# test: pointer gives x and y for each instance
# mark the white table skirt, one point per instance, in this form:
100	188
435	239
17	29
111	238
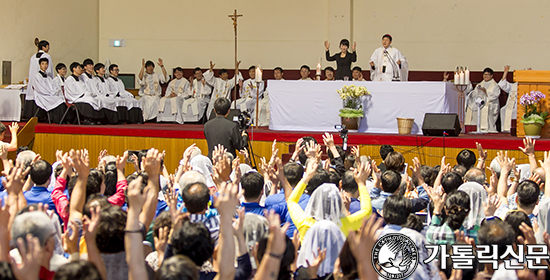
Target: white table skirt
315	105
10	105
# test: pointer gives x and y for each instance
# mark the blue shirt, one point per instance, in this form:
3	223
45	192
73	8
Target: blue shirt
355	205
277	202
40	195
253	207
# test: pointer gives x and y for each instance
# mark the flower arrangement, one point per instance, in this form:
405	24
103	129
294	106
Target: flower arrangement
351	96
531	101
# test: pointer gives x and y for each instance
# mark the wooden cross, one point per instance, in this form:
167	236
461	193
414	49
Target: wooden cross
234	17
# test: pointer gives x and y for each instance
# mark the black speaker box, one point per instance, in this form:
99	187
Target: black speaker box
438	124
232	113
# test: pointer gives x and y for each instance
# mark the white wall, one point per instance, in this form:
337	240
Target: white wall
71	27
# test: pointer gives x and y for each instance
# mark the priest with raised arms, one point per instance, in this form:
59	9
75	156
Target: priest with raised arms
196	98
150	90
387	62
47	94
222	85
489	113
170	105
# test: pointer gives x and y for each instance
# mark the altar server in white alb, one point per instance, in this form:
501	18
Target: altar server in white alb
59	79
76	92
387	63
510	111
150	90
30	105
249	93
47	94
491	110
106	105
265	113
170	105
196	99
222	85
117	89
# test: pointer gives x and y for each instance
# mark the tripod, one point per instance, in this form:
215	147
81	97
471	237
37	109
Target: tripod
250	150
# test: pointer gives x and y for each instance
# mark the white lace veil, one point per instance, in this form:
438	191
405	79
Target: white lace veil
203	165
325	204
478	196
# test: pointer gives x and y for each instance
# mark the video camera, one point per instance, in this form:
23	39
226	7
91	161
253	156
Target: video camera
343	134
243	120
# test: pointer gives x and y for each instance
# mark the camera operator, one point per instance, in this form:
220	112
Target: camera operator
223	131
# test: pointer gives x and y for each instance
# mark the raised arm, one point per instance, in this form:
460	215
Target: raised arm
226	204
118	198
161	64
529	150
132	234
151	163
361	175
482	157
90	227
12	146
140	75
506	165
81	164
275	251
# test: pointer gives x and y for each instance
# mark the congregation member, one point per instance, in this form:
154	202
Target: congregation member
30	106
170	106
386	62
304	73
221	86
343	59
195	107
329	74
47	94
357	74
108	106
150	88
118	90
250	91
491	110
78	94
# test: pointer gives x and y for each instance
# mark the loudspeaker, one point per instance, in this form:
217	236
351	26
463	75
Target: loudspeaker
438	124
232	113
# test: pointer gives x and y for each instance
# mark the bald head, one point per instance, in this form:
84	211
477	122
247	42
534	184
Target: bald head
475	175
196	197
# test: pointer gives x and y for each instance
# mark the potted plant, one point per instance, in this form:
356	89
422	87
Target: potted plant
534	118
353	106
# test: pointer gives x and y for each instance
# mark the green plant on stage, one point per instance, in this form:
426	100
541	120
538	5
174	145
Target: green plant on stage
351	96
531	101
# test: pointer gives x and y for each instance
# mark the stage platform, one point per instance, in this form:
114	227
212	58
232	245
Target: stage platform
175	138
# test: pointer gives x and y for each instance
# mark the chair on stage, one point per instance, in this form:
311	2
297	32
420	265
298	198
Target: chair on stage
69	106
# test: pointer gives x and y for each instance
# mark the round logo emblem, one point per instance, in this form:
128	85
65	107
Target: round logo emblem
394	256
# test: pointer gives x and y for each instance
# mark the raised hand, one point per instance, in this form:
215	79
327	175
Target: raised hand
328	139
228	199
506	68
482	154
136	198
143	63
327	45
31	255
354	47
506	164
212	65
438	198
80	162
528	146
493	202
362	173
16	179
14	127
314	266
297	149
276	241
70	240
160	63
445	76
237	170
274	152
493	182
416	172
311	168
151	163
121	161
161	242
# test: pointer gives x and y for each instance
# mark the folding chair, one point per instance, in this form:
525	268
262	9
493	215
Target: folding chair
68	108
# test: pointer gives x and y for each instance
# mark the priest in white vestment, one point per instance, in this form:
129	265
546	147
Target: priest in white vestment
264	115
30	105
171	104
489	113
304	73
387	62
117	89
150	90
47	94
197	98
76	92
510	111
250	91
357	74
222	85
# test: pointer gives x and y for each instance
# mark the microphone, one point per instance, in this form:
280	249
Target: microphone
395	67
384	66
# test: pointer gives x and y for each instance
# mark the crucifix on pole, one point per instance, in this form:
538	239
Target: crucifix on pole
234	17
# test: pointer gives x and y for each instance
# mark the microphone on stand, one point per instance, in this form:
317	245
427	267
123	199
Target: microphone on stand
395	67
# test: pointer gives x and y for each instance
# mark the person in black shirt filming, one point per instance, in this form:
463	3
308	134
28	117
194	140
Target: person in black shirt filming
223	131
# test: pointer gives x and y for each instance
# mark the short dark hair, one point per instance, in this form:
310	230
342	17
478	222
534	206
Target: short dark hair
293	173
161	221
395	161
391	180
193	240
98	66
110	233
396	209
306	67
43	59
88	61
302	155
450	182
221	106
457	206
197	69
329	68
112	67
222	71
60	66
414	222
74	65
344	42
348	263
177	267
385	150
515	218
93	183
334	177
428	175
320	177
251	67
460	170
496	232
149	63
387	36
466	158
110	178
77	270
42	44
528	193
178	69
348	182
361	70
41	171
341	152
252	184
278	68
196	197
488	70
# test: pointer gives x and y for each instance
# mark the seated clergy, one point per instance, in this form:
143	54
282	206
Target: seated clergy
107	106
77	93
150	90
61	70
264	114
222	85
47	94
117	89
170	105
489	113
329	74
304	73
250	90
357	74
196	98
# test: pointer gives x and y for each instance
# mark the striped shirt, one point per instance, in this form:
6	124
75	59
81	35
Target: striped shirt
212	224
443	234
